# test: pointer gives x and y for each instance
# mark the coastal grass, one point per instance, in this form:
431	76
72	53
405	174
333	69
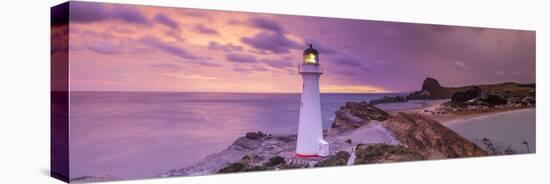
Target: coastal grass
380	153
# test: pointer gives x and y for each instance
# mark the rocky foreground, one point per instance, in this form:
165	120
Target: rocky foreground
360	134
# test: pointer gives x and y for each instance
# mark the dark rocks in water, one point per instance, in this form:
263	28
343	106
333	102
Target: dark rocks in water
255	135
430	138
384	153
245	143
388	99
340	158
420	95
355	114
252	135
464	96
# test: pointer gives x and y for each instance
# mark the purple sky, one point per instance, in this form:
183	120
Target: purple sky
145	48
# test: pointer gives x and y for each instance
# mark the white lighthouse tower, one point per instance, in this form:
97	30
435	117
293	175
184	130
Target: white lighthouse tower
310	128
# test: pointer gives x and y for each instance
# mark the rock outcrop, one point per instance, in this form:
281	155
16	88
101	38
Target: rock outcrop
356	114
388	99
431	89
255	135
430	138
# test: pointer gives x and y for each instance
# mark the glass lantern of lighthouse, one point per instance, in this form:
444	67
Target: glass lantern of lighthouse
311	56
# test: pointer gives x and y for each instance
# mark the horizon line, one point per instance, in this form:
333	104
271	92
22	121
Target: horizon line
244	92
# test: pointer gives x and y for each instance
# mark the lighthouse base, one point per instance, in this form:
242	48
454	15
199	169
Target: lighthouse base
306	155
322	150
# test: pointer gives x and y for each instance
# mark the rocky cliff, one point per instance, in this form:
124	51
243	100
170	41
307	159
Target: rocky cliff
431	89
430	138
415	131
356	114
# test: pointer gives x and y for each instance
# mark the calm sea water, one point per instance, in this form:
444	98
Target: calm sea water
142	134
507	129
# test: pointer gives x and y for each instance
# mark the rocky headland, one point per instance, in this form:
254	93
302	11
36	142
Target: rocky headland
490	95
431	89
360	134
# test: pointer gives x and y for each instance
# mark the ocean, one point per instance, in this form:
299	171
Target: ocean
505	130
133	135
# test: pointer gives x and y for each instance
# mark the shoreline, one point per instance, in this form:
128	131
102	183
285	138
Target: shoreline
459	117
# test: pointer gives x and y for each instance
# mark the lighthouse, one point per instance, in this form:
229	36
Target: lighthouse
310	141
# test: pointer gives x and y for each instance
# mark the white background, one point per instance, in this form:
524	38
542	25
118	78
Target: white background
24	90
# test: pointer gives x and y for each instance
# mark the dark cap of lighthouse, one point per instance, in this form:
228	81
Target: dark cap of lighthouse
311	55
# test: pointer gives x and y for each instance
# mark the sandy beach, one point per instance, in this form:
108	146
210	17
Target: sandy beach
457	117
483	115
